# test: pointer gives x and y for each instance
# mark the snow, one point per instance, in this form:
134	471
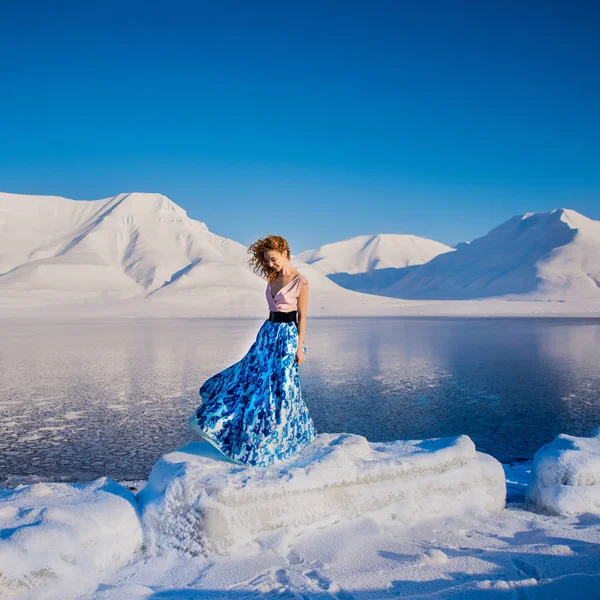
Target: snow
449	537
127	245
370	263
57	538
365	253
140	255
201	505
474	555
552	254
347	518
565	477
134	253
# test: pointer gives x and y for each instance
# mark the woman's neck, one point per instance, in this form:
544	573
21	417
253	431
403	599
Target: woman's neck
285	273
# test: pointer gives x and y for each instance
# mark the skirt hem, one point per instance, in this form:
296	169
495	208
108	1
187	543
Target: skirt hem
254	408
194	424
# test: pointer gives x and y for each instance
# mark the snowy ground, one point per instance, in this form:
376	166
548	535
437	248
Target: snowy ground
514	553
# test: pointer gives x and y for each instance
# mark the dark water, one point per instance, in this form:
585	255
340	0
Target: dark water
78	401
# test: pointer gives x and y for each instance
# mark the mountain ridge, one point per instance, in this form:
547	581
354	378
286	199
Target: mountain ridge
143	245
533	254
141	237
368	263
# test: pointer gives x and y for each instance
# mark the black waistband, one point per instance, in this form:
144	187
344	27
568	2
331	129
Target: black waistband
284	317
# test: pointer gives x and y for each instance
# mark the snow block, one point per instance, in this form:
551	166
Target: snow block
565	475
199	502
56	538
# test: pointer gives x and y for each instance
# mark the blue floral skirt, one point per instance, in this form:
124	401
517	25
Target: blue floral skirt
253	411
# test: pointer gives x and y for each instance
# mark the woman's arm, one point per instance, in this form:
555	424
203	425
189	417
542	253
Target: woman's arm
302	306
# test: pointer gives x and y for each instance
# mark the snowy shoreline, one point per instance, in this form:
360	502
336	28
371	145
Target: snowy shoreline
466	309
457	549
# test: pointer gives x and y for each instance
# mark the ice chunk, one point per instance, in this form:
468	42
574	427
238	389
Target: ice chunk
55	538
565	475
199	502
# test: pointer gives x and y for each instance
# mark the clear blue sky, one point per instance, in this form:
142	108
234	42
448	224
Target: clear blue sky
318	121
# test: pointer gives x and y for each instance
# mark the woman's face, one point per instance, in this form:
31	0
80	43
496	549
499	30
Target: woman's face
275	260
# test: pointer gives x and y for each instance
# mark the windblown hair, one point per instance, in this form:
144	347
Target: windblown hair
271	242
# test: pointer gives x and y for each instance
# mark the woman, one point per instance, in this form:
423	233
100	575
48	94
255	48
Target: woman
253	411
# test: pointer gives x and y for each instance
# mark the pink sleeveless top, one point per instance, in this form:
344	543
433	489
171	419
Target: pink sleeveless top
286	299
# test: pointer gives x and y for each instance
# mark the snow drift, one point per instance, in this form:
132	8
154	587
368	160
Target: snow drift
565	475
199	502
56	538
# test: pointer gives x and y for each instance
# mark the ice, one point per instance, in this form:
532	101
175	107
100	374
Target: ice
565	476
200	503
57	538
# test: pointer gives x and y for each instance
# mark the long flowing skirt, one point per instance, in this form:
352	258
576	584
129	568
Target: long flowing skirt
253	411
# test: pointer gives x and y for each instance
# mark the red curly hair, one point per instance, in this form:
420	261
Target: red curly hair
271	242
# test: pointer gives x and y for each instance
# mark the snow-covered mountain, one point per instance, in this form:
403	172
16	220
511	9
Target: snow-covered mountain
129	244
132	247
370	263
139	253
552	254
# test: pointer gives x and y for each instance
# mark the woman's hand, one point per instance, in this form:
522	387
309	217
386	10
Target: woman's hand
299	357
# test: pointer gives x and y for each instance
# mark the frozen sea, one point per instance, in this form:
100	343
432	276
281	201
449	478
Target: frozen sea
79	400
